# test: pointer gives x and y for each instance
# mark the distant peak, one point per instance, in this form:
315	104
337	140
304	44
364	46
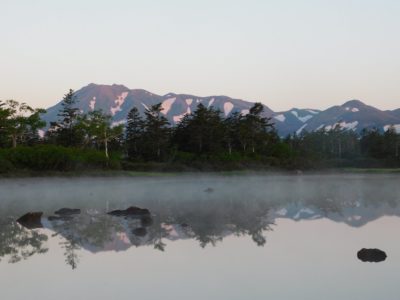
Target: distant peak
119	86
354	103
114	85
170	95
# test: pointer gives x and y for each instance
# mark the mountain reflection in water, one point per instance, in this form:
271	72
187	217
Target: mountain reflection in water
206	218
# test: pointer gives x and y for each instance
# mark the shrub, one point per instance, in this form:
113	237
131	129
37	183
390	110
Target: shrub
54	158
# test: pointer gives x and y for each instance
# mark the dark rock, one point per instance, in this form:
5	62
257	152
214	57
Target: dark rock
68	211
141	231
209	190
130	211
31	220
371	255
146	221
184	225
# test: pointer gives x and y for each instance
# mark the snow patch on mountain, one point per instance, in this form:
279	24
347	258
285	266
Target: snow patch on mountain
301	129
166	105
211	102
305	118
280	117
178	118
189	101
116	123
228	106
352	109
118	103
343	125
302	119
396	127
92	103
145	106
245	112
41	133
349	126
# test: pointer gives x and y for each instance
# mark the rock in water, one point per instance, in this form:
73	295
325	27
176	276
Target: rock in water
68	211
146	221
31	220
130	211
141	231
371	255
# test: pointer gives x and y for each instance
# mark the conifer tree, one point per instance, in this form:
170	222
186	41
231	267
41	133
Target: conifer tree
134	132
156	132
66	130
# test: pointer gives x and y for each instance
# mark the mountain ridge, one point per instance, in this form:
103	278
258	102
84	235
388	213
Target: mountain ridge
117	100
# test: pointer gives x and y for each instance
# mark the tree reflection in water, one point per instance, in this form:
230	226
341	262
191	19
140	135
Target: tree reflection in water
19	243
207	220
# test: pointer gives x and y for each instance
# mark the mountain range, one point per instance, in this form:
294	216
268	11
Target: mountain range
118	100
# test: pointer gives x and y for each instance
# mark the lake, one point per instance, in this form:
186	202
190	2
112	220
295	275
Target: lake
206	237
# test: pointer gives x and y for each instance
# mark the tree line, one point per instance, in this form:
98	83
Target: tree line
202	138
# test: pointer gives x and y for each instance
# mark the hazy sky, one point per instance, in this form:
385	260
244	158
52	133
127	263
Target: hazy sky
284	53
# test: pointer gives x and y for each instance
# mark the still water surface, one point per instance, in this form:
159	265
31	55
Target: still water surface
209	237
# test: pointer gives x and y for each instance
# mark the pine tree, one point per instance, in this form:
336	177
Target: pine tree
232	126
255	130
156	132
66	130
134	133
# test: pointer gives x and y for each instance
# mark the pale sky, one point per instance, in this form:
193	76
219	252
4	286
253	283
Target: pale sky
284	53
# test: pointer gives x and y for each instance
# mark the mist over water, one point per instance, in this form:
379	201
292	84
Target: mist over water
208	236
49	194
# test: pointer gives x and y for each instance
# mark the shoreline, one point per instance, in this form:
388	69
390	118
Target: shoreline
158	173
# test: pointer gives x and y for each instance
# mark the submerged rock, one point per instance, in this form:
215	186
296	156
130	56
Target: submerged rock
130	211
371	255
68	211
209	190
31	220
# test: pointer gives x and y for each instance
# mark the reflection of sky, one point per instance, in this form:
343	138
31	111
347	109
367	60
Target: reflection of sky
288	53
303	260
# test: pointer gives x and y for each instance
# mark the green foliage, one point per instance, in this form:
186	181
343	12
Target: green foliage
19	123
54	158
98	130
